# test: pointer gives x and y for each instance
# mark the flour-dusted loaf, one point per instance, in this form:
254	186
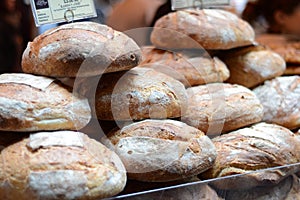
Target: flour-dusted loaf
162	150
139	93
60	165
206	28
189	69
252	150
80	49
252	65
280	98
33	103
221	107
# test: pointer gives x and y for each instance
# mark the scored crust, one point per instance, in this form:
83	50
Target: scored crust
33	103
80	49
189	70
252	149
162	150
60	165
207	28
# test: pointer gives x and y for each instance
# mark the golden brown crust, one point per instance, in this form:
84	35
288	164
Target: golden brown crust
26	107
80	49
139	93
251	66
221	107
162	150
280	98
189	70
255	148
60	165
207	28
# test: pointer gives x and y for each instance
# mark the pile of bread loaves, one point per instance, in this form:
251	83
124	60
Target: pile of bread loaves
205	101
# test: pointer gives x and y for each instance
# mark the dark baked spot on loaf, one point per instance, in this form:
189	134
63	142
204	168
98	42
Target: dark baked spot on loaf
9	122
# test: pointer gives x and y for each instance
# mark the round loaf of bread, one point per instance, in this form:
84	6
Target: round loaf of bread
189	70
33	103
258	153
206	28
140	93
221	107
251	66
60	165
162	150
280	98
80	49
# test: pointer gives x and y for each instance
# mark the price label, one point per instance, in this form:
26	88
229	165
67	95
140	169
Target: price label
182	4
55	11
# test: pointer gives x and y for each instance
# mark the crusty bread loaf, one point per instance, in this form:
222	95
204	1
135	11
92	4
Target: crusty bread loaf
249	151
33	103
252	65
80	49
189	69
60	165
221	107
207	28
280	98
140	93
162	150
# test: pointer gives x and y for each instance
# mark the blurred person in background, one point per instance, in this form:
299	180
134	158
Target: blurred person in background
16	29
274	16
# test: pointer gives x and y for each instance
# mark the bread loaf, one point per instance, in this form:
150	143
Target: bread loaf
207	28
221	107
33	103
162	150
252	65
188	69
140	93
59	165
80	49
280	98
249	152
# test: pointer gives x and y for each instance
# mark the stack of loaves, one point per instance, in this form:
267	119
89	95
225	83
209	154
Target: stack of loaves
163	109
256	110
44	154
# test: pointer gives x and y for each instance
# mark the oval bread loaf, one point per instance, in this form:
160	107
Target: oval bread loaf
139	93
280	98
221	107
60	165
80	49
255	149
251	66
33	103
206	28
162	150
189	70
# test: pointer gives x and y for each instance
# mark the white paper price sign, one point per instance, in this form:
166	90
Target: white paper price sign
181	4
54	11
